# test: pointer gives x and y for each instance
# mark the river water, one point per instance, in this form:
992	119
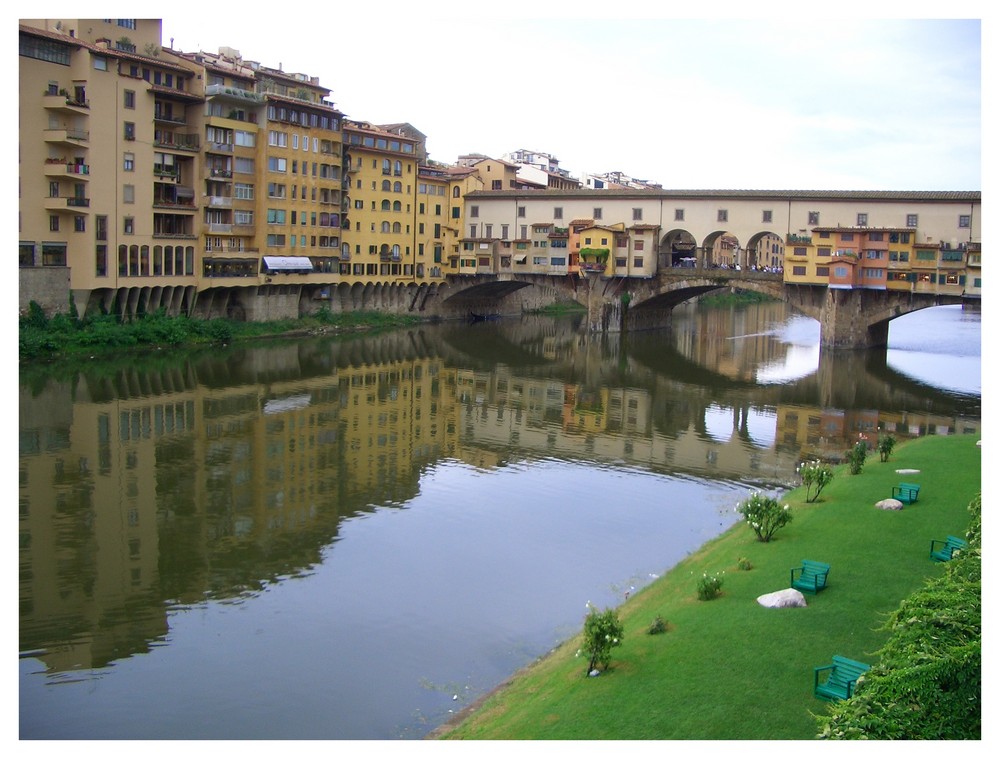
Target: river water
355	538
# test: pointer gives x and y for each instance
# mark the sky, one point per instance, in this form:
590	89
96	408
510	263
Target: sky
767	102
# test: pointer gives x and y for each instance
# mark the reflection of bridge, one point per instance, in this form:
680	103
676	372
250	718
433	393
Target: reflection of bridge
849	318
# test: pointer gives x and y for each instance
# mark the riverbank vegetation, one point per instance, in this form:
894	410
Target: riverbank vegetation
65	334
733	297
733	669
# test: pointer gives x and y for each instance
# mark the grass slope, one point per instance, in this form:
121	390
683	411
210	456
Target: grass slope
729	668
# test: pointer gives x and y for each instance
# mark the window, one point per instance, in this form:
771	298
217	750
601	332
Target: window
822	271
876	236
638	245
636	214
964	221
598	214
814	217
723	215
862	220
53	254
678	214
824	251
244	165
53	223
557	213
277	139
101	261
243	191
474	212
128	162
128	193
767	217
128	225
911	220
277	164
79	223
799	271
496	184
244	139
488	231
456	212
100	64
129	98
473	228
521	211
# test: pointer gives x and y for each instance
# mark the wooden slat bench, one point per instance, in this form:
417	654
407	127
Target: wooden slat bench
810	577
947	548
906	492
840	680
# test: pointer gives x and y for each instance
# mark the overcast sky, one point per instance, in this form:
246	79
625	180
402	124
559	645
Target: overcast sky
754	103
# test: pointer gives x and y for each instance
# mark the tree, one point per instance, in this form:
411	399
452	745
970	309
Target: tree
602	631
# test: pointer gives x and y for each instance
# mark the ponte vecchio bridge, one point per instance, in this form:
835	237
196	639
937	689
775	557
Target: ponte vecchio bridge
852	260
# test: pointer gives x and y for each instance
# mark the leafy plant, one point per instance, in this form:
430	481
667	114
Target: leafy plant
764	515
885	445
927	684
709	587
744	563
602	631
856	456
658	626
815	476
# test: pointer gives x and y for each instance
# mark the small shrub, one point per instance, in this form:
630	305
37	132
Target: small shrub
744	563
885	445
602	631
658	626
709	587
764	515
857	455
815	476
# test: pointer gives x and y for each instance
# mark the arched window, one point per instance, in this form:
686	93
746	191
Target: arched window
397	206
345	250
122	260
396	227
385	205
386	166
385	226
395	251
386	185
397	186
454	192
398	168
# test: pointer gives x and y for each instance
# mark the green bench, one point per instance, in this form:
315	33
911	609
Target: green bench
906	492
947	549
810	577
836	681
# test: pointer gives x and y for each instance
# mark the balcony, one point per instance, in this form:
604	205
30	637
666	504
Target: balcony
217	228
177	142
233	93
74	137
67	205
802	239
218	147
65	103
219	201
61	168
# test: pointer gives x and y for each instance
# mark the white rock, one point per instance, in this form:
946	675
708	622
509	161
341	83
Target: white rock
889	504
782	599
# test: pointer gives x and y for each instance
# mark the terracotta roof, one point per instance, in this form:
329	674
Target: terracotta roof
875	195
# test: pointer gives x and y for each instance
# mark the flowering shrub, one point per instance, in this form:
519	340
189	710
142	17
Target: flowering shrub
602	631
856	456
815	476
885	445
709	587
764	515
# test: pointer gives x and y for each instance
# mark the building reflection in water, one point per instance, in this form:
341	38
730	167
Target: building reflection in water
142	490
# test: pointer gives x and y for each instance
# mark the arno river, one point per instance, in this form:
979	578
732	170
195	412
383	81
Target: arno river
355	538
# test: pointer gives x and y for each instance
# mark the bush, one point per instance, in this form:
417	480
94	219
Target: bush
885	445
709	587
744	563
764	515
927	684
815	476
857	455
602	631
658	626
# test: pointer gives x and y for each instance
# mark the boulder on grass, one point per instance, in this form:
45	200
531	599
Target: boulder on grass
889	504
782	599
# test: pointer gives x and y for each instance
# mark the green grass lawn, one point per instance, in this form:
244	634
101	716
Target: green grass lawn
729	668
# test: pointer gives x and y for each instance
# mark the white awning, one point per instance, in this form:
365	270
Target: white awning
520	258
287	263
